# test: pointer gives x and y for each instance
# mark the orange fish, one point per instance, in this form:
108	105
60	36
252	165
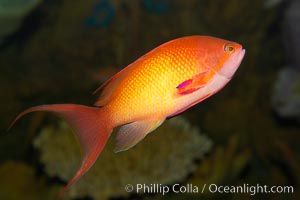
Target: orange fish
164	82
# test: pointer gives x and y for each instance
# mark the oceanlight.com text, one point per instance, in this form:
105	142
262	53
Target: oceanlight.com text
250	189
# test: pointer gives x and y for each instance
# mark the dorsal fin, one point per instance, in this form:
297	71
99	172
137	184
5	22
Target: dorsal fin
110	85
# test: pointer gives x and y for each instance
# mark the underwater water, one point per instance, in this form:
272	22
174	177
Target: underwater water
60	51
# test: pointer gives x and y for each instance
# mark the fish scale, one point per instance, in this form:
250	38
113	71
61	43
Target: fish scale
174	66
153	84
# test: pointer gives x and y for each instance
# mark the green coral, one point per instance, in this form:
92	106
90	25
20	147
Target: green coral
165	156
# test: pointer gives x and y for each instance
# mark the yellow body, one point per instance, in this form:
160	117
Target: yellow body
150	89
147	87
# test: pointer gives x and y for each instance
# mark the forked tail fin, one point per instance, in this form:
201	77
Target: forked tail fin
90	126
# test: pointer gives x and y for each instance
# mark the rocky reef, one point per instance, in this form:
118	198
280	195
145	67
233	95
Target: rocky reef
165	156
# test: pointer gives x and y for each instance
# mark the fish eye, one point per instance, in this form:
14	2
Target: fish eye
229	48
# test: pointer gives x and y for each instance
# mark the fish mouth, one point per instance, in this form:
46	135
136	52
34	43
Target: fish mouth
232	64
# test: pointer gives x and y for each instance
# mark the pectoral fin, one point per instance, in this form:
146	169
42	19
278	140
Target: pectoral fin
130	134
191	85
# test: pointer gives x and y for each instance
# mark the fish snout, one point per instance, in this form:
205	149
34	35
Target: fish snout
232	63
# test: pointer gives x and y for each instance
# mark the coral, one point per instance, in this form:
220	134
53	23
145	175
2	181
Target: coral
286	97
224	165
165	156
18	181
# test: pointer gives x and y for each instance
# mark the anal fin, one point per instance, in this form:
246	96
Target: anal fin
130	134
